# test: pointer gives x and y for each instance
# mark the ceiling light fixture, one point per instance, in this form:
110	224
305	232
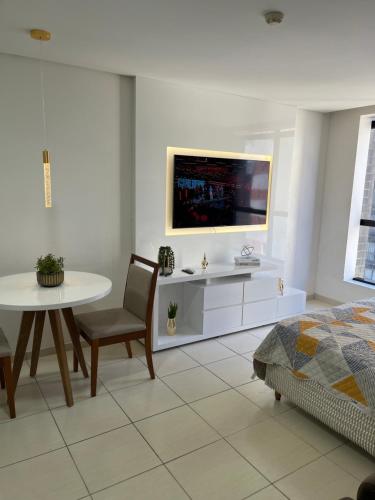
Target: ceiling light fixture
44	36
273	17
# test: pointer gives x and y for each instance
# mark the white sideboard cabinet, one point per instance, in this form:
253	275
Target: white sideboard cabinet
221	300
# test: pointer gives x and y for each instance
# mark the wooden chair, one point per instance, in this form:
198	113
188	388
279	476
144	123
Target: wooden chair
131	322
6	376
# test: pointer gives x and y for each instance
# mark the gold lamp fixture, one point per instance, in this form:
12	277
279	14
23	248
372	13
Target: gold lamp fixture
44	36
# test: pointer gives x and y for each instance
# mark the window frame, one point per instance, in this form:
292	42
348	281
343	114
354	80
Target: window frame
366	223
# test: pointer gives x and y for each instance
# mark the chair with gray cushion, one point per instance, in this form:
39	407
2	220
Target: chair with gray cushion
6	376
130	322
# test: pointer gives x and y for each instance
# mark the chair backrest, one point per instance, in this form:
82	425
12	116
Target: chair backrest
140	288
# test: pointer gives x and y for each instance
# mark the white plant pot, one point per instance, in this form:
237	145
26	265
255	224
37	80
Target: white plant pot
171	326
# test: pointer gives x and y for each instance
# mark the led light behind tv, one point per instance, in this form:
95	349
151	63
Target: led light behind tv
219	192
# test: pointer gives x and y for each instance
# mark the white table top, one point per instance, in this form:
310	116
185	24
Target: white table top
21	292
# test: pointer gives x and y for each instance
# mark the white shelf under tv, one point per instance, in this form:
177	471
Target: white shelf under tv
221	300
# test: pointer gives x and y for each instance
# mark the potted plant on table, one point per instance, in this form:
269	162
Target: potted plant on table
171	324
50	270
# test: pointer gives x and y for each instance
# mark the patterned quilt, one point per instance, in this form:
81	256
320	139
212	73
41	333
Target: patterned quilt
335	347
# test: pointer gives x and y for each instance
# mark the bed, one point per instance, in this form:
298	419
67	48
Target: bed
324	362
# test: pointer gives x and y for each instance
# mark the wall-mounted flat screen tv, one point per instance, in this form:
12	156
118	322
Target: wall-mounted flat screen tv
218	192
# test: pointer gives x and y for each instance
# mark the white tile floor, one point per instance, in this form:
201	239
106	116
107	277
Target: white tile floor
204	429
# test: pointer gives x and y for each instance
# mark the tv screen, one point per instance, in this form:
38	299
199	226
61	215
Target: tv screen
215	192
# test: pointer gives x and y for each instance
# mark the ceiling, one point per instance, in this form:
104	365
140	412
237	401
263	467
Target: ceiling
321	57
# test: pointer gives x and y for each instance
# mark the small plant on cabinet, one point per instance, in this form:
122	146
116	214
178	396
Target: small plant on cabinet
171	324
166	261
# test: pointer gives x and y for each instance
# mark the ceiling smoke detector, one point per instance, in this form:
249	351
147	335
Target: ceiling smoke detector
273	17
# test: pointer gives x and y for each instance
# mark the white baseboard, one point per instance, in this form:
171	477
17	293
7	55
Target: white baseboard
322	298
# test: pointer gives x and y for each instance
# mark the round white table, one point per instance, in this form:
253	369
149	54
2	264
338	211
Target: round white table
21	292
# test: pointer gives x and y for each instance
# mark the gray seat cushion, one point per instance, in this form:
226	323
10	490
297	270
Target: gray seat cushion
5	349
109	322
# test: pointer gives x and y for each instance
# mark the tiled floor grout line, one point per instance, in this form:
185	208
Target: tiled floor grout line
339	466
257	405
296	470
224	439
178	482
165	463
306	415
269	416
187	453
127	479
281	492
188	404
149	444
206	445
17	419
213	373
34	456
211	362
62	437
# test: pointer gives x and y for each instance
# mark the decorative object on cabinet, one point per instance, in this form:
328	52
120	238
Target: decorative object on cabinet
171	323
204	262
50	270
166	261
247	258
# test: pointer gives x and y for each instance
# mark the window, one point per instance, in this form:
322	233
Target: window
365	265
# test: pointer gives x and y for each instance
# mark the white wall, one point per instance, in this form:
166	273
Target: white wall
101	208
176	115
89	119
306	190
338	186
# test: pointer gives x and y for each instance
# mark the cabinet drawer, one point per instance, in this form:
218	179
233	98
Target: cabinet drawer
264	310
291	304
259	289
220	321
221	295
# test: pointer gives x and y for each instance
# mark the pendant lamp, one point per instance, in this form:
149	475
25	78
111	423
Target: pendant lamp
44	36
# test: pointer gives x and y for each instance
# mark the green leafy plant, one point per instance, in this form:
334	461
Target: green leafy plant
166	260
172	310
49	264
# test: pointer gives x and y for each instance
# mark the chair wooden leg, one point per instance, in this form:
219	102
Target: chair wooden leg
74	336
277	396
94	366
149	356
75	362
37	340
129	349
55	320
23	339
2	379
7	367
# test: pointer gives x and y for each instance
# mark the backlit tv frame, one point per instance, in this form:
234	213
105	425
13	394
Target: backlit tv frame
171	152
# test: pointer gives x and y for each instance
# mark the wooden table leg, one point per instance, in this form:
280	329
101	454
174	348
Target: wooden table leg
74	335
7	367
54	317
2	378
38	332
23	339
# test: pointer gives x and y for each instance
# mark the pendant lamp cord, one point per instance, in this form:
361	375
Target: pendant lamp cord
43	103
